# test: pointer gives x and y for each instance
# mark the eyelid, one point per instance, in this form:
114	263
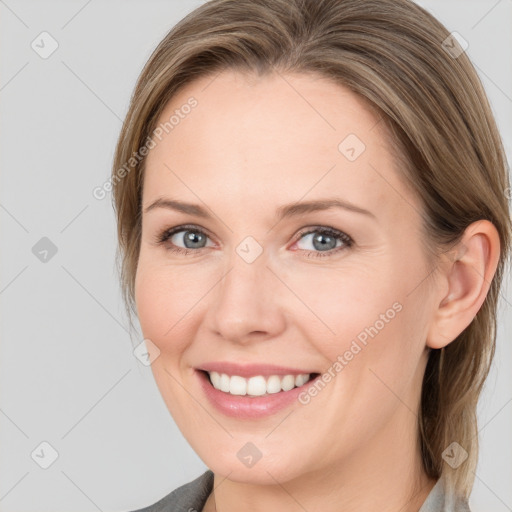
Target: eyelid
324	229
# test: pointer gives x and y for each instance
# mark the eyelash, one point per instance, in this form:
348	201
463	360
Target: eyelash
164	236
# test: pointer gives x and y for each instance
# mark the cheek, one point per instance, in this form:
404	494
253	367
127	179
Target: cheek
162	306
172	300
366	318
344	305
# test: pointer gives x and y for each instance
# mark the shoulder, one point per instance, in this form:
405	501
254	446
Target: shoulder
190	497
442	499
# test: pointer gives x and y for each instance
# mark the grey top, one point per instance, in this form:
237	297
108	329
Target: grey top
192	496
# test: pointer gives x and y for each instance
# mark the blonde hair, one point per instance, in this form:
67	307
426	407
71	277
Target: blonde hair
407	67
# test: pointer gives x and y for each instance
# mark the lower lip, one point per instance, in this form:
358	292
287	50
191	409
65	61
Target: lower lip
249	407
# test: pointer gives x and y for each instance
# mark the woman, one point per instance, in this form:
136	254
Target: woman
313	228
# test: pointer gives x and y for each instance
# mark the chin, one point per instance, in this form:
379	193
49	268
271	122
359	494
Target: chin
262	472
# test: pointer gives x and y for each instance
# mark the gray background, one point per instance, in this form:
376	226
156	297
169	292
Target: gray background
67	372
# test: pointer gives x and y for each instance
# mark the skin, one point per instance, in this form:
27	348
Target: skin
251	145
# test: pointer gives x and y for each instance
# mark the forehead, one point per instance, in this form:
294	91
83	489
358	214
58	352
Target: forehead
263	141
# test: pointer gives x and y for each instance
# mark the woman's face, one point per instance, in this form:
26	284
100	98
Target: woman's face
262	284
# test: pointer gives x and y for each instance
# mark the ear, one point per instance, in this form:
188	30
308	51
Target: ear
466	278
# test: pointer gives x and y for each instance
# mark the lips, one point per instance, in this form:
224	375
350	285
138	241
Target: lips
250	407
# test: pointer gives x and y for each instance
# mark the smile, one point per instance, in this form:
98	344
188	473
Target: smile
252	397
258	385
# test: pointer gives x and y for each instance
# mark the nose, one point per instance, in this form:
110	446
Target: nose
247	303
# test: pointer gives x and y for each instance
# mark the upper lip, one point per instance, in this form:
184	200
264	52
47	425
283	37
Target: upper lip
250	370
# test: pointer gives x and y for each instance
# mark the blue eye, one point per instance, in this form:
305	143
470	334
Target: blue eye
192	236
324	243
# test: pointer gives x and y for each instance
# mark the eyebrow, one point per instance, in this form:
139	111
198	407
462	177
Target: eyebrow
289	210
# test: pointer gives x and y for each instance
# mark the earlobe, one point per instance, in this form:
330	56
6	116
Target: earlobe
468	273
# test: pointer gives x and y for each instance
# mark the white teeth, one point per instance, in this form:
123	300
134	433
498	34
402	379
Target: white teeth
256	386
237	385
273	384
288	382
224	383
301	379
